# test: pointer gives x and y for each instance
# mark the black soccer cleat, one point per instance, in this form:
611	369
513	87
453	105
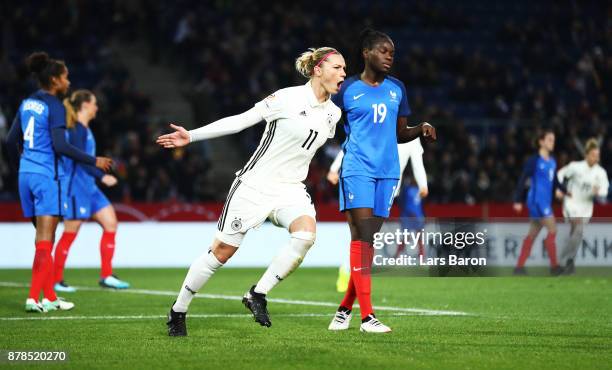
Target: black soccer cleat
556	270
570	268
257	304
176	323
519	271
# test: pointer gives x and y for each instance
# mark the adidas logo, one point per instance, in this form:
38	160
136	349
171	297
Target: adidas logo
303	113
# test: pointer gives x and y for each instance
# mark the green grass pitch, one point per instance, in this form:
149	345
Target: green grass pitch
510	323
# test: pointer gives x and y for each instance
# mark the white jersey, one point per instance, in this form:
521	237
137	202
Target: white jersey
296	126
581	180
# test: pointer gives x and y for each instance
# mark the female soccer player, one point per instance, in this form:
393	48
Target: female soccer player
586	182
270	185
376	108
540	169
412	151
40	129
83	198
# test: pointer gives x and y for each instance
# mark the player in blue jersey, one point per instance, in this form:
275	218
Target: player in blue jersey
540	169
411	210
83	199
376	108
39	131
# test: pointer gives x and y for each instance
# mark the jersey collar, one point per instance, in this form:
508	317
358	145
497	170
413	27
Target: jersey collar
312	99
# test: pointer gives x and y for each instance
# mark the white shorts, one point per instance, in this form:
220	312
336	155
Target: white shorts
248	206
578	210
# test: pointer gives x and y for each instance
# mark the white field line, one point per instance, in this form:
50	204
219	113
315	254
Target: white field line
419	311
157	317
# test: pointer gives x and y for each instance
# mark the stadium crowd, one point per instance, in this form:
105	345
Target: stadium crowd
487	74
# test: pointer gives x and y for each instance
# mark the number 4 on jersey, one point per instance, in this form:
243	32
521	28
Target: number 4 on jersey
28	134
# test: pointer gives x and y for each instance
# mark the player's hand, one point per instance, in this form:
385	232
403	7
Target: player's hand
180	137
109	180
559	194
429	132
595	191
423	192
333	177
104	163
518	207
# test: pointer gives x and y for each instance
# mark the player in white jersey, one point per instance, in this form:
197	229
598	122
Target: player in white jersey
299	120
586	182
413	151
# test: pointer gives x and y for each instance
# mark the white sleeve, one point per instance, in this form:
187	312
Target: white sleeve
565	172
335	166
226	126
604	184
273	106
418	170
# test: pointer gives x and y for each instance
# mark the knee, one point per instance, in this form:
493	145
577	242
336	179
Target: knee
302	241
223	252
110	226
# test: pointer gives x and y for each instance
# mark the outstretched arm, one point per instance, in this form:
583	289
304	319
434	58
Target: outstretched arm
225	126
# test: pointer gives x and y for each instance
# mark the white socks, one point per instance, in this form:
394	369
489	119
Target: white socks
200	271
289	258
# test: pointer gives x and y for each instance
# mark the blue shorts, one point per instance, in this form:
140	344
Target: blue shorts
412	219
367	192
81	205
40	195
537	211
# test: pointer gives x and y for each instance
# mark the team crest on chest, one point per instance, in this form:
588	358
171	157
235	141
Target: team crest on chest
393	95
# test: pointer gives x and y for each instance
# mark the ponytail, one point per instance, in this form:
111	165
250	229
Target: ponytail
73	105
308	60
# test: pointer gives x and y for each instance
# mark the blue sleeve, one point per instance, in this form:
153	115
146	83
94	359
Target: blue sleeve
93	171
61	146
528	170
57	114
404	108
14	140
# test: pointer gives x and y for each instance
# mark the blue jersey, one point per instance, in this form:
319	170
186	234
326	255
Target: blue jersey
37	116
370	124
541	173
80	180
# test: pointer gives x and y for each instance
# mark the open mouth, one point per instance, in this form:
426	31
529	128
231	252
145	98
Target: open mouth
340	84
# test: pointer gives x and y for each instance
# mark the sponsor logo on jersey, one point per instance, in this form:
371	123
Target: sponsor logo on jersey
303	113
351	196
82	210
355	97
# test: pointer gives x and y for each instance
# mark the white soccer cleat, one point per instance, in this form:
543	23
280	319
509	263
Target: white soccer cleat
374	326
341	321
59	304
33	306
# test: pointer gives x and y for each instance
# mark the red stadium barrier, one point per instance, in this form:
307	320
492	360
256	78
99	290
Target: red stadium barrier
11	212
